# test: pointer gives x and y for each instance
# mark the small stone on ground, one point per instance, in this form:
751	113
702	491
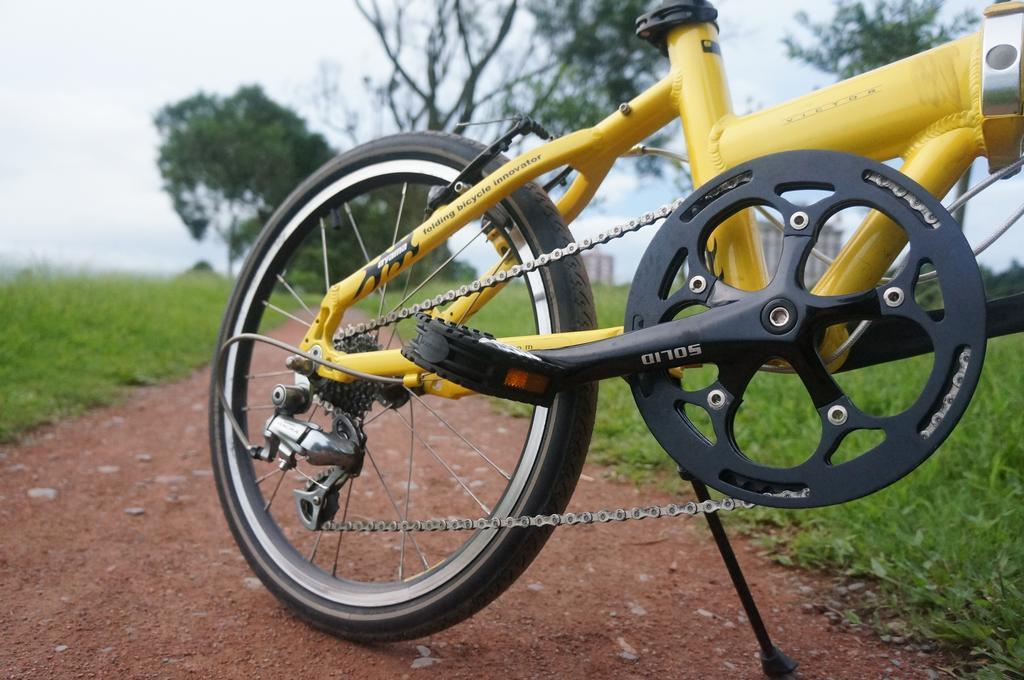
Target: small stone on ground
628	651
43	493
135	512
108	469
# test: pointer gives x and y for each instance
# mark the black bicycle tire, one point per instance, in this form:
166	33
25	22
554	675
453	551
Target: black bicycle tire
560	459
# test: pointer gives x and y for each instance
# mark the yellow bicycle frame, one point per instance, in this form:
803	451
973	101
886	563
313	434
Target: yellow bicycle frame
925	110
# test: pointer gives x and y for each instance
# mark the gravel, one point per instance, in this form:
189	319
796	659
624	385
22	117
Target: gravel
628	652
424	662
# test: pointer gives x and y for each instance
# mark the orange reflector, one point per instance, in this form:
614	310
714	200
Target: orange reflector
528	382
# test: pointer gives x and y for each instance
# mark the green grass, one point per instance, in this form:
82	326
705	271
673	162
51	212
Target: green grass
75	341
942	546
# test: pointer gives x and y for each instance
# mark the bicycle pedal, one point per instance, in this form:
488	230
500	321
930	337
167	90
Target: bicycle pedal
477	361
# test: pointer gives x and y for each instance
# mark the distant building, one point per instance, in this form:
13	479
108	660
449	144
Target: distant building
829	242
600	266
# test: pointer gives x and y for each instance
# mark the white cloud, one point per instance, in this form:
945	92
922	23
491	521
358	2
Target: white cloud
81	82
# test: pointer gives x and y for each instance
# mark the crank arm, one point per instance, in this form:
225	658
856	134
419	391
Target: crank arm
483	364
887	340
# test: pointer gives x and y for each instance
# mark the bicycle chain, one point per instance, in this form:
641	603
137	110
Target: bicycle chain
690	509
514	272
554	520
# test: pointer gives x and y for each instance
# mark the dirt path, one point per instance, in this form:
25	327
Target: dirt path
89	590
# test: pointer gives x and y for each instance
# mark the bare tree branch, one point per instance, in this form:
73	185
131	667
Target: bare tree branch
467	99
377	21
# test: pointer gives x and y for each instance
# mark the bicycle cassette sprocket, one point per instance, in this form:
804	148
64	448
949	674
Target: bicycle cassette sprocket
784	322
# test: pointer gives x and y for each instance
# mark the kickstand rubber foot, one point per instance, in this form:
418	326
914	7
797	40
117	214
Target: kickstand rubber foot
776	664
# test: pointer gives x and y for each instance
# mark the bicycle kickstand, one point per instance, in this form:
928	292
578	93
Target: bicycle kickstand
774	662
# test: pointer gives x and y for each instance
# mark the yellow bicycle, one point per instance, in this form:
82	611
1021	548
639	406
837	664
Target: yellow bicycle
407	507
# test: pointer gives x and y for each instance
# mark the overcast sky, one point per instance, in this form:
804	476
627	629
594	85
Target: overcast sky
79	83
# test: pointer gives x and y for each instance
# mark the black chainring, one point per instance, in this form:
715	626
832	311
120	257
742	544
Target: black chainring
681	245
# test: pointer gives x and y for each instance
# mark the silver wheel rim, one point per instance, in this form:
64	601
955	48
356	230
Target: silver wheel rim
261	525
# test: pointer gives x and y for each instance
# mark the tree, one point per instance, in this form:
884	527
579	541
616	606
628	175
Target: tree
567	63
452	44
228	162
858	39
596	61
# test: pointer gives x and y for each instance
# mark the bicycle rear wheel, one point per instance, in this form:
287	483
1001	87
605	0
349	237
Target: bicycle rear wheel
426	457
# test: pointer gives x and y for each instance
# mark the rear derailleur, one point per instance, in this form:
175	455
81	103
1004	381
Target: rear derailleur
340	450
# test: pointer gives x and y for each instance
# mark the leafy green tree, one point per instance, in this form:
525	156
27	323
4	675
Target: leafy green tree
595	60
859	38
1008	282
227	162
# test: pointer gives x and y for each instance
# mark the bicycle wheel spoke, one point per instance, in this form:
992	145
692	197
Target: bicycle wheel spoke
267	407
316	546
408	493
437	271
295	295
459	435
405	291
274	494
262	478
445	465
323	246
373	418
384	288
277	309
359	236
344	518
391	499
394	240
469	307
272	374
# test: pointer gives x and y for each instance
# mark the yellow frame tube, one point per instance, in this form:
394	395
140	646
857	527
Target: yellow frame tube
591	152
925	110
